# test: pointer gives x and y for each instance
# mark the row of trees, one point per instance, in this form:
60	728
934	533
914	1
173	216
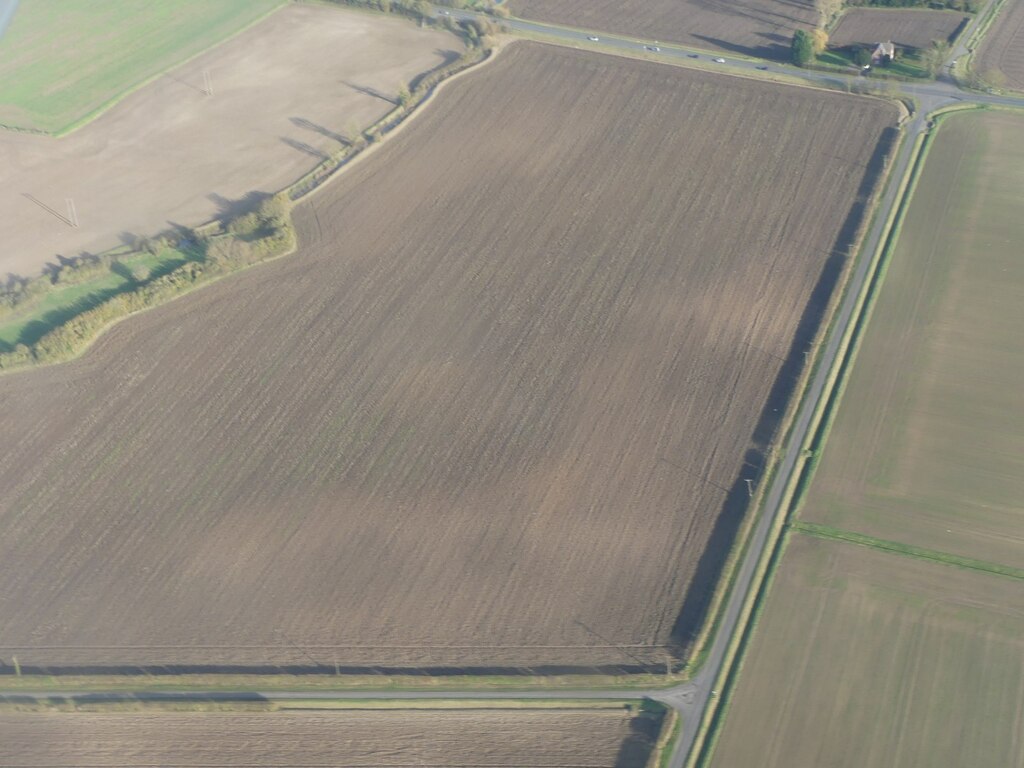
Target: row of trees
248	239
807	45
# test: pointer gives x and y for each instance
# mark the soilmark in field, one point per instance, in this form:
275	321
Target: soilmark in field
526	350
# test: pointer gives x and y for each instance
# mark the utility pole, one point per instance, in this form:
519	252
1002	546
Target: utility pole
72	212
207	83
750	487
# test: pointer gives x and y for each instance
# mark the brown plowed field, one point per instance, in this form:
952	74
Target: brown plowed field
1002	51
488	414
320	738
914	28
761	28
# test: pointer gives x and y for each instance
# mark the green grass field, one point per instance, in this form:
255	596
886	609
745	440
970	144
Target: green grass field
61	303
62	62
927	448
867	659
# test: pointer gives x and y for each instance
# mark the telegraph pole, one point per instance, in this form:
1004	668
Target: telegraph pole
72	212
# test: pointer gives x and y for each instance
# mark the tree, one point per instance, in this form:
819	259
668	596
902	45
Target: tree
819	39
935	56
803	48
862	57
827	11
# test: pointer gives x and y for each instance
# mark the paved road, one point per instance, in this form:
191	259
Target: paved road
690	699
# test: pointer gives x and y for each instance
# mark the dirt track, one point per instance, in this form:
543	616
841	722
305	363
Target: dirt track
285	92
489	413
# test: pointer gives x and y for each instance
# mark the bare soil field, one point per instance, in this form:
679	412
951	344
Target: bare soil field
762	28
928	443
287	92
865	659
1000	58
909	27
497	410
350	738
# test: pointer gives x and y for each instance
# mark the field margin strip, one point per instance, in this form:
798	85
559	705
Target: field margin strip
907	550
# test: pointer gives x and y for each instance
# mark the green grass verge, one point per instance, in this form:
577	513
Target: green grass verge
27	324
827	532
62	63
628	684
127	703
908	65
671	729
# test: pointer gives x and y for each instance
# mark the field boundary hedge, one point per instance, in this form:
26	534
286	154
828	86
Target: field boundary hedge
908	550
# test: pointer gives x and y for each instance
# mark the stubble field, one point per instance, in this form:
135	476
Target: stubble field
1002	51
762	28
911	27
353	738
497	410
61	61
866	659
928	444
288	92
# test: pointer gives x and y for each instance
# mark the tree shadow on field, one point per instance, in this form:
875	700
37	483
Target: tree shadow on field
228	209
309	125
694	611
305	148
448	57
367	90
776	51
644	730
